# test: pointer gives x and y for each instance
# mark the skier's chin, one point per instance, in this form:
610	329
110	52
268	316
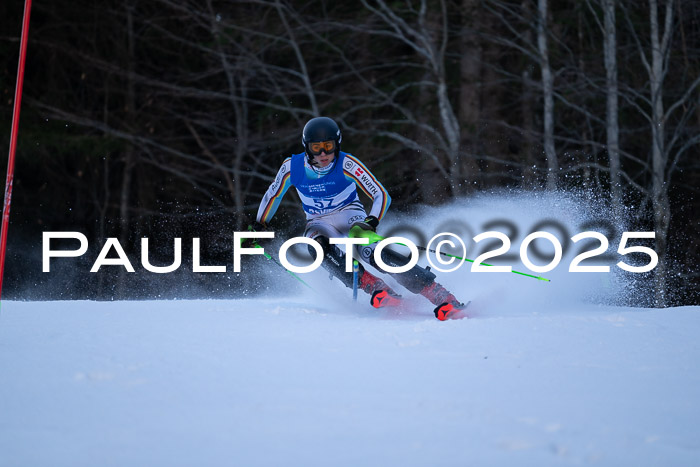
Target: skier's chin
325	162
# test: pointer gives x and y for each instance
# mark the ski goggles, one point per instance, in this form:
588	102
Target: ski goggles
316	148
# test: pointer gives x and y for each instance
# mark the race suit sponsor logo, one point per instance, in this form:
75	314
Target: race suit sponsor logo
278	180
369	184
354	219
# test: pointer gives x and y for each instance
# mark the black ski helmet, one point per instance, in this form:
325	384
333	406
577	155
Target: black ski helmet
321	129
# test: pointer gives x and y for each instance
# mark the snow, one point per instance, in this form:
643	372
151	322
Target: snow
539	373
285	382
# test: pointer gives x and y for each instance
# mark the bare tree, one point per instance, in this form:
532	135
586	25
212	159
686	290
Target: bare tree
548	94
668	144
527	108
524	30
470	85
429	42
612	126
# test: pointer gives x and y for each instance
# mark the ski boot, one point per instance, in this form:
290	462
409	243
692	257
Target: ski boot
447	304
381	294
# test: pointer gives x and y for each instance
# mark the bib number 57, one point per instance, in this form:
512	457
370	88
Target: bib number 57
322	203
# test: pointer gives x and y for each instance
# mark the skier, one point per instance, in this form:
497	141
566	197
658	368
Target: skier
327	179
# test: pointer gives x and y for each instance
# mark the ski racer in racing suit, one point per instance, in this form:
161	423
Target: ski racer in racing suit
326	180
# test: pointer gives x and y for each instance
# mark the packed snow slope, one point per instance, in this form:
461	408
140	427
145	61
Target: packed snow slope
288	382
538	373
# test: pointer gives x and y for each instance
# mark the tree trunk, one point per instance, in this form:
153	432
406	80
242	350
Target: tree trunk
469	94
530	178
548	94
432	183
241	150
303	69
237	84
448	118
451	127
660	199
610	54
130	153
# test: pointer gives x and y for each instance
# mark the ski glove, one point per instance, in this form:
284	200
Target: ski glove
372	221
257	227
254	227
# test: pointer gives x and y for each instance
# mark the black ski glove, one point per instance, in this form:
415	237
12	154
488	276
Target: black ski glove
373	222
255	226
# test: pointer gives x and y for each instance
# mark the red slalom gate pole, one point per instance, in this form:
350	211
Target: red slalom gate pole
13	138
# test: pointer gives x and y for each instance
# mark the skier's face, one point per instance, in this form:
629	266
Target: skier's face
324	160
324	152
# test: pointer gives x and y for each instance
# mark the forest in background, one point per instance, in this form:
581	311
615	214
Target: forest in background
170	118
